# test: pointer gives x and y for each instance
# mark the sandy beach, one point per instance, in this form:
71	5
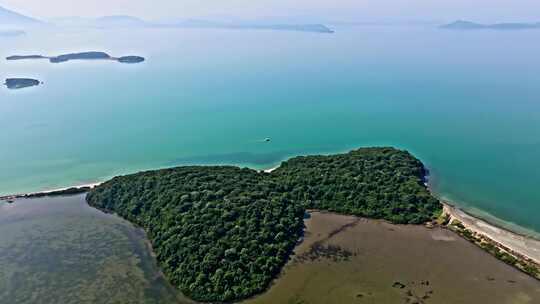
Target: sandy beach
90	185
522	245
270	170
45	192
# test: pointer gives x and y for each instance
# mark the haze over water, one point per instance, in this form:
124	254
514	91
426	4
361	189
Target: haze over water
466	103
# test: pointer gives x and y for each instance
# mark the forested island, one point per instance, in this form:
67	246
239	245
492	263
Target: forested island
222	233
19	83
80	56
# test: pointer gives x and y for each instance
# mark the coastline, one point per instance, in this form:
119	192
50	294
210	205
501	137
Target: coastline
521	246
56	191
80	187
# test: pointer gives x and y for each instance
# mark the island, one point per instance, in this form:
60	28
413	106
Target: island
313	28
11	33
247	25
81	56
23	57
131	59
223	233
468	25
92	55
19	83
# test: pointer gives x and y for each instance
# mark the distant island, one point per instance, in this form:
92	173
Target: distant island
314	28
11	33
19	83
130	22
18	57
80	56
8	17
11	18
196	23
223	233
468	25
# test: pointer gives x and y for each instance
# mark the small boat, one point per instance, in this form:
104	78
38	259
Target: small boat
267	139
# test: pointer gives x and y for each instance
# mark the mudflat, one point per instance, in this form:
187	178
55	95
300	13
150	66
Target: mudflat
345	259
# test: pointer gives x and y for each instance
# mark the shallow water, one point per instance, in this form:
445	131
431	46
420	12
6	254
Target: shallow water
59	250
395	264
466	103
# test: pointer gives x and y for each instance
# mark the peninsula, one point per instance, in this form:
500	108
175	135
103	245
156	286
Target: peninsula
80	56
19	83
223	233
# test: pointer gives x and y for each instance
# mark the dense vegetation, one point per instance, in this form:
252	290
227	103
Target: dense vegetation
506	255
223	233
374	182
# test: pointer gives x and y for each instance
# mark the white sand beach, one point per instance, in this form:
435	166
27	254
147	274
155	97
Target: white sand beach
523	245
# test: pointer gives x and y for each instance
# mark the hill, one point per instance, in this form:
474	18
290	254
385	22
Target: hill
8	18
467	25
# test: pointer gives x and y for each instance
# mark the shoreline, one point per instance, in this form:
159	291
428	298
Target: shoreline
56	191
88	186
519	245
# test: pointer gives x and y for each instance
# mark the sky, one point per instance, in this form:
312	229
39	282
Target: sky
350	10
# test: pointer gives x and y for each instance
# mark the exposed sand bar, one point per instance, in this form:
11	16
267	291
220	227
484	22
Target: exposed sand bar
90	185
523	245
22	195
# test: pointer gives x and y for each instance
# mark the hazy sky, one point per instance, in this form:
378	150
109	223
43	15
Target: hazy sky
480	10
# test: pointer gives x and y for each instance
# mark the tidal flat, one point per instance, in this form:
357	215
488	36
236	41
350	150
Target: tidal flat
344	259
60	250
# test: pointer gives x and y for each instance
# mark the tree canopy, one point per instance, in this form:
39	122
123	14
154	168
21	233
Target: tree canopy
222	233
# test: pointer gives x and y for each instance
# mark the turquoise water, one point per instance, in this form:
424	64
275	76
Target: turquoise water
466	103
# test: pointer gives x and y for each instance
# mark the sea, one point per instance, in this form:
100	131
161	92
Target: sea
467	103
